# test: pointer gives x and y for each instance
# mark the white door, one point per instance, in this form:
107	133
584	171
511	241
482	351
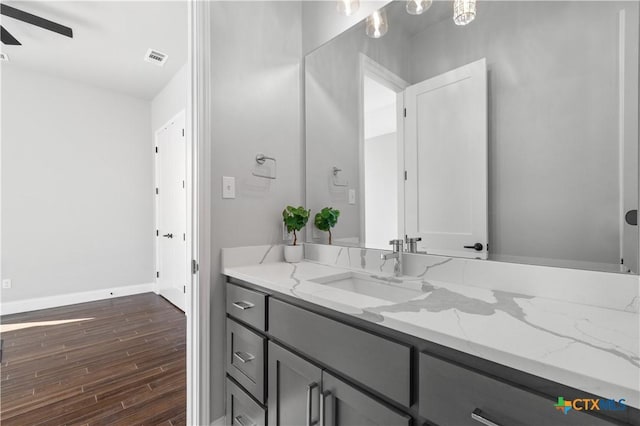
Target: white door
446	162
171	212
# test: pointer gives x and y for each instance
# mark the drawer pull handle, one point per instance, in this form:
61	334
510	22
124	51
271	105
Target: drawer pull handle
244	357
240	421
310	389
478	416
243	305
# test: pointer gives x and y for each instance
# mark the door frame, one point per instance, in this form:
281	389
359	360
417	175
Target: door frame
198	196
188	201
370	68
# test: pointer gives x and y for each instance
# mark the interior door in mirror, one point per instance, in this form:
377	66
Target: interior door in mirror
446	162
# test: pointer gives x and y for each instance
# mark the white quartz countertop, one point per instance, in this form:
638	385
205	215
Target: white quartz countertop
589	348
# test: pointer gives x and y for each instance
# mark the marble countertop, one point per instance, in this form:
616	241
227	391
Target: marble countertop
589	348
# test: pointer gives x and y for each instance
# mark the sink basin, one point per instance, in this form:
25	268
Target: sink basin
368	285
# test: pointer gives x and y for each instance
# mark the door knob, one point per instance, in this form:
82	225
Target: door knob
476	247
632	217
168	235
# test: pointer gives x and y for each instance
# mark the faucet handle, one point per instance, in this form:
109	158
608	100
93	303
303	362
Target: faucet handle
412	243
398	245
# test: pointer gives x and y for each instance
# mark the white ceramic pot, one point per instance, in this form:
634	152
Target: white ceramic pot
294	254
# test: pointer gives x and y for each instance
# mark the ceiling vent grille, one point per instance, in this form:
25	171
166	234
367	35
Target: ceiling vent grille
4	57
156	57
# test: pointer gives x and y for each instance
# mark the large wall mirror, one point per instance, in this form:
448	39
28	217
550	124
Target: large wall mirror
513	138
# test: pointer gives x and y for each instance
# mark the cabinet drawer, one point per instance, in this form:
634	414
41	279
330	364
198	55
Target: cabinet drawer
373	361
245	358
449	394
241	409
247	305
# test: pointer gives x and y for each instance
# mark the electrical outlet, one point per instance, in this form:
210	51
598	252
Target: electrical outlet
6	283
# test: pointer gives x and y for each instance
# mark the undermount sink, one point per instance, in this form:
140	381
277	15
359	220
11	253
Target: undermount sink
380	288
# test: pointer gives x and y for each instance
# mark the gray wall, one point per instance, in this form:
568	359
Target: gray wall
76	187
256	102
553	121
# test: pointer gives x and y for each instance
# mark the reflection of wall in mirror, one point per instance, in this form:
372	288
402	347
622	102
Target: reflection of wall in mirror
553	160
332	111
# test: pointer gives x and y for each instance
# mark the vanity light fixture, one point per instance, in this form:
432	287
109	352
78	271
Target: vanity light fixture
418	7
347	7
376	25
464	11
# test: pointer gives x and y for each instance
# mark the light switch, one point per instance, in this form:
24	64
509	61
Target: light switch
228	187
352	196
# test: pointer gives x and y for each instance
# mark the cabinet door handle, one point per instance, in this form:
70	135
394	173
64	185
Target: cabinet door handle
479	416
243	305
310	389
244	357
323	416
240	421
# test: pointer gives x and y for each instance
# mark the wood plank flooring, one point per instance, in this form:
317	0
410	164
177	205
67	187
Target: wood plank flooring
120	361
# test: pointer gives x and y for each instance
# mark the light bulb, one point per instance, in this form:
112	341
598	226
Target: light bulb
418	7
464	11
347	7
376	25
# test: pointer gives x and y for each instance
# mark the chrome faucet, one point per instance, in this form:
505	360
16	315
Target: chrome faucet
398	246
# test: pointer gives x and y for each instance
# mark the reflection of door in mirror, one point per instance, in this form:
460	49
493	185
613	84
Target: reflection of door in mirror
381	152
446	162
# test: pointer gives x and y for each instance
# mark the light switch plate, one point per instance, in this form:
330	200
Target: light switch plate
228	187
352	196
6	283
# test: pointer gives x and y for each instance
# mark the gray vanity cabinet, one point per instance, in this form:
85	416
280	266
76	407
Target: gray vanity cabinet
321	370
301	393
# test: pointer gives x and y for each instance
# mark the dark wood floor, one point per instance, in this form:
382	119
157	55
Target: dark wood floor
118	362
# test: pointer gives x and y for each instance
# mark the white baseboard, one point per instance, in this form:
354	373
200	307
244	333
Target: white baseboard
219	422
73	298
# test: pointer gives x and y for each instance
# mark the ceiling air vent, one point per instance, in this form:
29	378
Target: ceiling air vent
156	57
4	57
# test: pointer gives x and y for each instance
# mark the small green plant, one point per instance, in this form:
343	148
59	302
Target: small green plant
327	219
295	218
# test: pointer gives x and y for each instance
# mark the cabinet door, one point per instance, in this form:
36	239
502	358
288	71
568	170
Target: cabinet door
344	405
294	389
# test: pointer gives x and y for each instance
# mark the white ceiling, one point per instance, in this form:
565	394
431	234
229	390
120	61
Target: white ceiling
110	39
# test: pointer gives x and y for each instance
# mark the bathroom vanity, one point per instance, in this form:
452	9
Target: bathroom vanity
306	345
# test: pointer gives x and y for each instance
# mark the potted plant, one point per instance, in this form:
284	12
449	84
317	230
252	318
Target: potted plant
327	219
294	218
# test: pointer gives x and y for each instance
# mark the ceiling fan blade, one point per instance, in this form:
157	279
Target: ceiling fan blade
29	18
8	39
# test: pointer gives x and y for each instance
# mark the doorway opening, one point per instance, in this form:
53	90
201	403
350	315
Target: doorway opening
381	154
